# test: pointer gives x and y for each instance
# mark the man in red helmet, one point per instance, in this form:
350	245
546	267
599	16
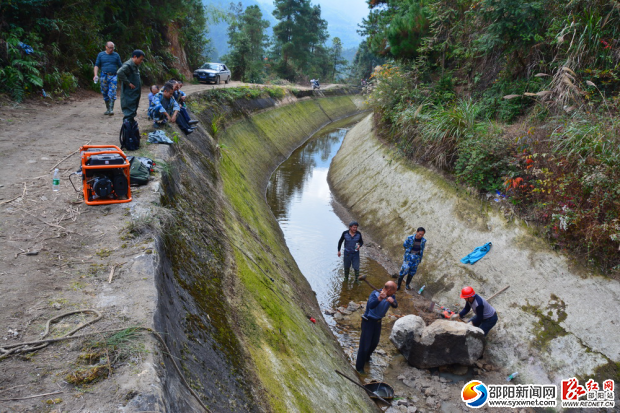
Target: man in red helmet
486	316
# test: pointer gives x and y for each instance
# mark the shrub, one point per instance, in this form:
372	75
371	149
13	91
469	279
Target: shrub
484	160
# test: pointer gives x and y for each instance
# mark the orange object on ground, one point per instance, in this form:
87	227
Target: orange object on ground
91	173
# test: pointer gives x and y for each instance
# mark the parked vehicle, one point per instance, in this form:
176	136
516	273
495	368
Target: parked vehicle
212	73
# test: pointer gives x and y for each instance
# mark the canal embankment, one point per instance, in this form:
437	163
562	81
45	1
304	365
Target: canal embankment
554	318
236	310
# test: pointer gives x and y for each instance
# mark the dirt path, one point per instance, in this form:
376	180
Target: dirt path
56	256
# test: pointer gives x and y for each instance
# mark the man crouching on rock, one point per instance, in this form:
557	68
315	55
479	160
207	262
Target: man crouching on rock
377	306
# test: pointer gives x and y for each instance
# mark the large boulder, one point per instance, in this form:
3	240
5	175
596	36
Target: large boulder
442	343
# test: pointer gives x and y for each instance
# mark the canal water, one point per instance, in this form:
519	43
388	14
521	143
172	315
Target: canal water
301	201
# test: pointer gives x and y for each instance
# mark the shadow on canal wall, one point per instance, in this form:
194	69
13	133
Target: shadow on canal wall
234	308
552	319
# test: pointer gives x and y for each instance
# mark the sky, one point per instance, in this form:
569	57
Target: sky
357	9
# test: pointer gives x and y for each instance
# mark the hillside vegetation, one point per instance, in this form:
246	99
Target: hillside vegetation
515	98
53	44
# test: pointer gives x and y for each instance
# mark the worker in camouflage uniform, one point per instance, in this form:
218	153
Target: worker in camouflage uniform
414	251
108	62
129	77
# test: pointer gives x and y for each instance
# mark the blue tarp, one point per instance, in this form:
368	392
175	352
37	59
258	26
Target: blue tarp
477	254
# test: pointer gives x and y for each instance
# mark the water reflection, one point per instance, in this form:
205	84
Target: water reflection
300	199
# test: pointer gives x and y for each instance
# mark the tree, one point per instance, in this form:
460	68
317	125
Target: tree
247	41
364	62
396	28
300	36
338	63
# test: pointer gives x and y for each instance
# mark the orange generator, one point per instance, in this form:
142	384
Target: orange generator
105	175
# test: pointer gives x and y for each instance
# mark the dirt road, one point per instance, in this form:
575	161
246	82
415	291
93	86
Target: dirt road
56	256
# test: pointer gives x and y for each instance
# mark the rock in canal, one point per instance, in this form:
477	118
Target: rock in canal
441	343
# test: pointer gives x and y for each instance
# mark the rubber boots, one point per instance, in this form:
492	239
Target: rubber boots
107	106
400	281
407	286
111	107
346	273
357	275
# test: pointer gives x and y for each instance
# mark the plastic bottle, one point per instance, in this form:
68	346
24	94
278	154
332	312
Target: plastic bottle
512	376
56	180
96	79
421	289
357	246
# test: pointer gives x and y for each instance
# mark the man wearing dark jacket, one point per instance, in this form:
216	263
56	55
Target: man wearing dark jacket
486	316
353	241
129	76
377	307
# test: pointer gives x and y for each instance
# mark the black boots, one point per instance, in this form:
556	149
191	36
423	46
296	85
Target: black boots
346	273
111	107
192	122
107	106
400	281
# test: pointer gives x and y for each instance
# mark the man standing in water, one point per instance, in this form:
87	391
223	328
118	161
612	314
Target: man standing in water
377	307
352	243
414	251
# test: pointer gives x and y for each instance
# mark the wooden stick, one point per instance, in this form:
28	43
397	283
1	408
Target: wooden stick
111	274
48	223
11	388
67	157
498	293
10	200
371	286
31	397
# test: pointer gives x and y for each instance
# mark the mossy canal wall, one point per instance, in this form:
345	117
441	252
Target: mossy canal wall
554	320
233	305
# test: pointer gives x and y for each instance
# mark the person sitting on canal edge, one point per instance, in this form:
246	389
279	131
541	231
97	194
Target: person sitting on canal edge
180	97
164	108
377	307
108	62
129	76
414	251
352	243
486	316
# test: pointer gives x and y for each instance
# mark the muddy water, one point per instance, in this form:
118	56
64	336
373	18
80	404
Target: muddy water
301	201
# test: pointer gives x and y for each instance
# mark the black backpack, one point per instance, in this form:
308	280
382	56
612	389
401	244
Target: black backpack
130	135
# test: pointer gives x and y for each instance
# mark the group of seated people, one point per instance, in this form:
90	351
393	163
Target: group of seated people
168	105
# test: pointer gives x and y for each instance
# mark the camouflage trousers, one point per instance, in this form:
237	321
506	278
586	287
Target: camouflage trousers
108	86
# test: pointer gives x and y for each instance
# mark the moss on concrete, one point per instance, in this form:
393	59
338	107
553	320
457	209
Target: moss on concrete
294	358
241	301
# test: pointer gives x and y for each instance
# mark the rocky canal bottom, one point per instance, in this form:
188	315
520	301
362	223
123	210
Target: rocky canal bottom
312	222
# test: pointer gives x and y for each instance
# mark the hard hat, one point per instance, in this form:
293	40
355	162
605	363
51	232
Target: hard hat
467	292
353	223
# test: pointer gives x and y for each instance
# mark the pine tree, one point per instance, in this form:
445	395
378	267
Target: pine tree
247	41
300	36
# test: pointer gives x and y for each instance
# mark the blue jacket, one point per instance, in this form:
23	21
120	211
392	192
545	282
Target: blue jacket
375	309
159	105
349	241
408	244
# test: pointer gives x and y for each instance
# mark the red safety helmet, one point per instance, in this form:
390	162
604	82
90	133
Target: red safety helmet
467	292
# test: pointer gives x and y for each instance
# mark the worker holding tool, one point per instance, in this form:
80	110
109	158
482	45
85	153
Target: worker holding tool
414	251
377	307
485	317
352	243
